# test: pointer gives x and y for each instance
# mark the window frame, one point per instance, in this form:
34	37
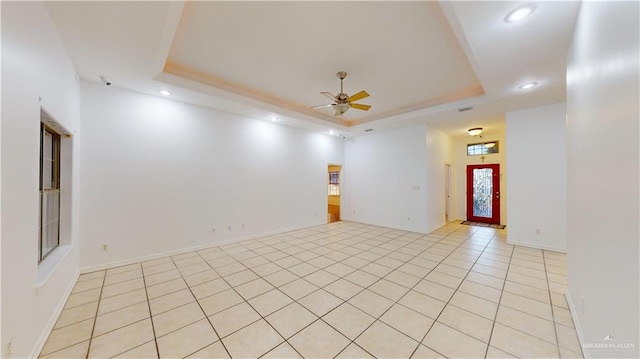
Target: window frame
484	149
54	188
333	187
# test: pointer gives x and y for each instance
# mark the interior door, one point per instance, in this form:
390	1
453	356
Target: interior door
483	193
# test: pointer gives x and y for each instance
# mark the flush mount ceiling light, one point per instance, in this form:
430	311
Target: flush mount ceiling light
165	92
528	86
520	13
274	118
475	131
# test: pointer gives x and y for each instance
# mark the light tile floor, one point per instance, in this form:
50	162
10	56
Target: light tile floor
343	290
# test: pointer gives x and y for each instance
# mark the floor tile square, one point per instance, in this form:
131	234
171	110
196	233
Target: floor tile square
220	301
79	350
215	350
209	288
520	344
172	300
452	343
269	302
320	302
476	305
371	303
252	341
121	340
382	341
187	340
353	351
318	340
254	288
343	289
434	290
234	318
64	337
421	303
77	314
282	351
466	322
291	319
176	318
388	289
240	278
361	278
424	352
280	278
407	321
120	318
530	324
321	278
147	350
298	288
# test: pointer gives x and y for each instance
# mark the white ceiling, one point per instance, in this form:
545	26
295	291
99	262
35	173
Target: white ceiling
420	61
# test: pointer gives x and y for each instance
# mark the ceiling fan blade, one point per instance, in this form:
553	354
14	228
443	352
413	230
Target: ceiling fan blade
358	106
321	106
328	95
359	96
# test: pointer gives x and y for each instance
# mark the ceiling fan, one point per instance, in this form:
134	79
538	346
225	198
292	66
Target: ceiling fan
342	102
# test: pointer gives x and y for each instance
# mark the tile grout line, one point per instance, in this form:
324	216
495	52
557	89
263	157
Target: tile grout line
200	306
249	304
153	327
435	320
95	319
493	325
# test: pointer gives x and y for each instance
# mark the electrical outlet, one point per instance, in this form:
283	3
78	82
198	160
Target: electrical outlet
213	230
229	228
537	231
582	304
409	219
105	247
242	226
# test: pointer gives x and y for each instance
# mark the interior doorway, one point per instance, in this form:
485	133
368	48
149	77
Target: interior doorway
333	193
483	193
447	193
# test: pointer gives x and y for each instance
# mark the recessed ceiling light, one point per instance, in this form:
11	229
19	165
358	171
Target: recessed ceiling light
332	132
520	13
528	86
165	92
274	118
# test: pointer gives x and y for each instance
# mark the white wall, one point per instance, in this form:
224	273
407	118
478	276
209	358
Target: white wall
389	178
537	177
602	176
381	171
34	64
158	176
439	153
461	160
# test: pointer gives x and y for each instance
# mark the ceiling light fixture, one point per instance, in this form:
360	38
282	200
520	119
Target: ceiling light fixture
475	131
520	13
274	118
528	86
165	92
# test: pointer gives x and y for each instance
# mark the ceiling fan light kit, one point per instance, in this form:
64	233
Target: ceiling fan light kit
343	102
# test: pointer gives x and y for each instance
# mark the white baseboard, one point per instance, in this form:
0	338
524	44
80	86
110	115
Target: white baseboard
42	340
124	262
385	225
576	324
536	246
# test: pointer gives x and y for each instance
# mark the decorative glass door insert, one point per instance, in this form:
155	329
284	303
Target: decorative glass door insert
483	193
